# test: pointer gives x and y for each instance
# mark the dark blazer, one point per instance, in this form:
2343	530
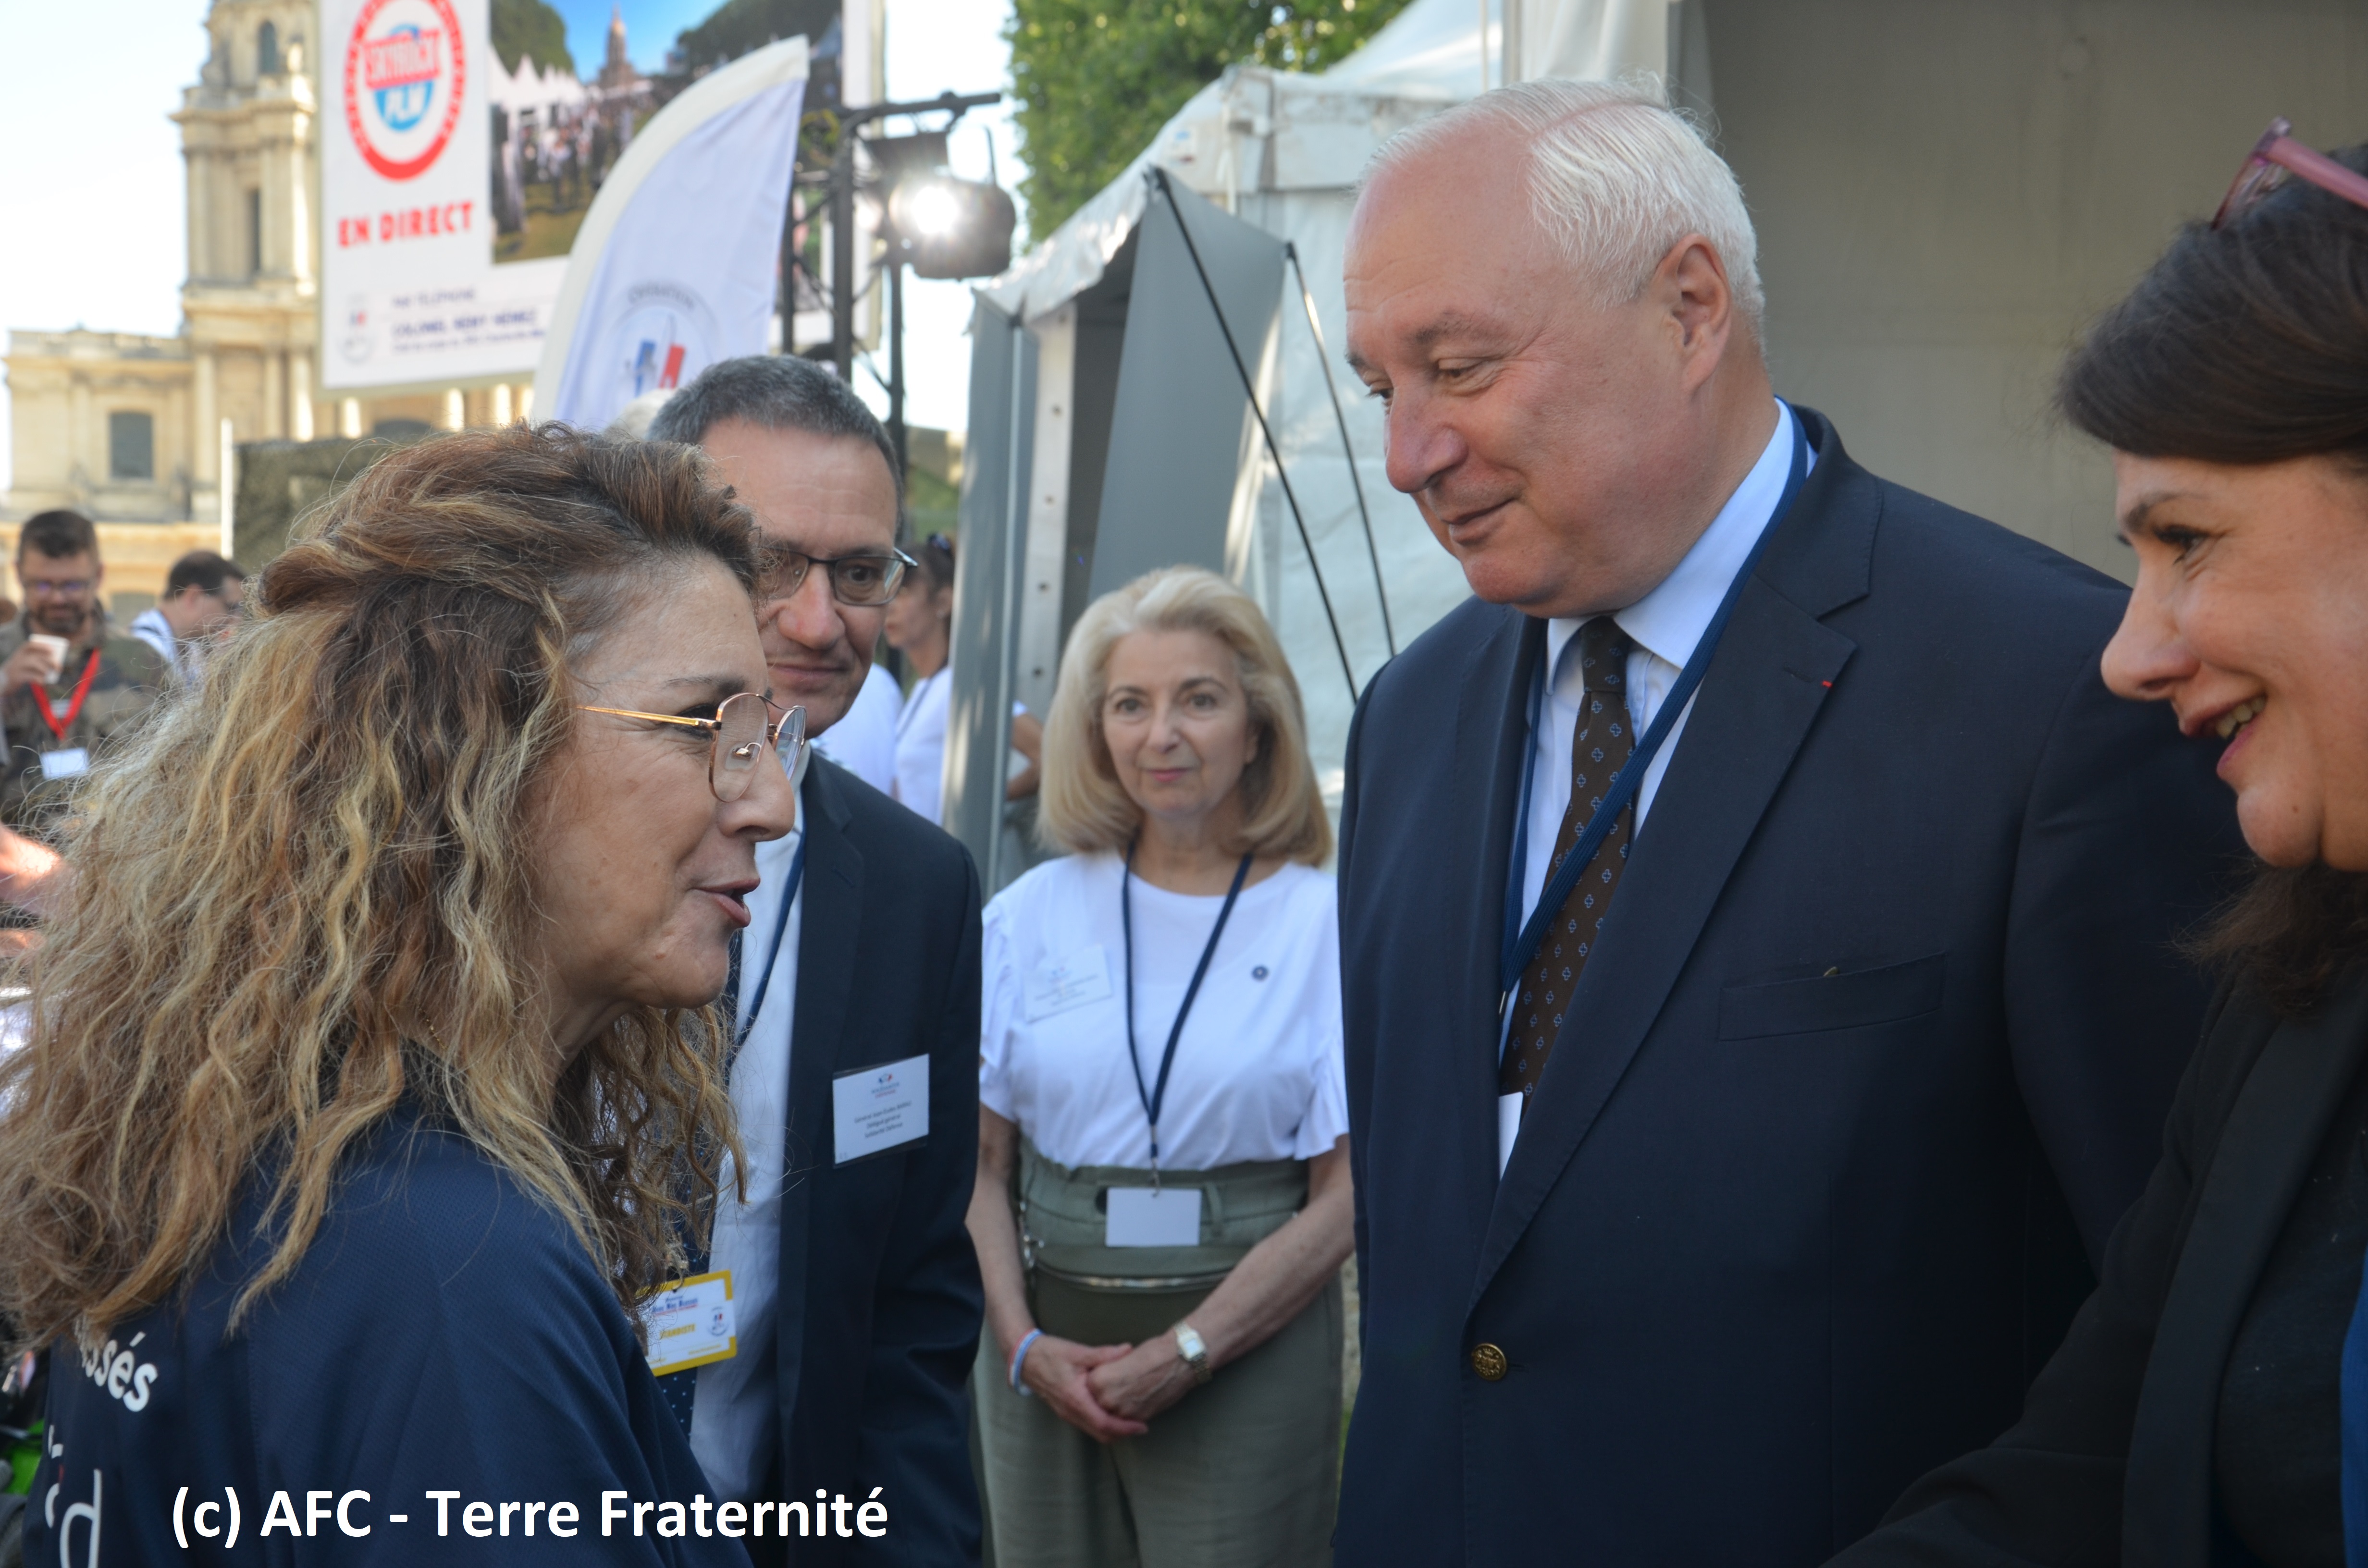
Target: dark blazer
880	1303
2112	1460
1882	1030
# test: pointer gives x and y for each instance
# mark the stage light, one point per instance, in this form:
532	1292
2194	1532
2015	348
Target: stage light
930	212
949	227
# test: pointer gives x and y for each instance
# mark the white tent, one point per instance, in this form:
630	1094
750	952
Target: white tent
1281	152
548	94
1944	196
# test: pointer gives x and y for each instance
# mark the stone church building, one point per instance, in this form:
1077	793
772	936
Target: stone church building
135	431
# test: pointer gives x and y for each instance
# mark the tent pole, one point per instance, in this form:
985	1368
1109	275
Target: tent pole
1158	177
1332	389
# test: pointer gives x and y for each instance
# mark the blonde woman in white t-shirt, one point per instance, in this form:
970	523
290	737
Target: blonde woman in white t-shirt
1162	1202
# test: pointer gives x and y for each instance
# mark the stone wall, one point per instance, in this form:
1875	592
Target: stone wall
280	480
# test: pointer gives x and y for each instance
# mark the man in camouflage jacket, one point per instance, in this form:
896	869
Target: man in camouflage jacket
60	714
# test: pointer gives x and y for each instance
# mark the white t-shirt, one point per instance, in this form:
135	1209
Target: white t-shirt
864	742
1257	1072
921	743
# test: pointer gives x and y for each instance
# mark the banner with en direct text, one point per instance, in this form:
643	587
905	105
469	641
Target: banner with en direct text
409	291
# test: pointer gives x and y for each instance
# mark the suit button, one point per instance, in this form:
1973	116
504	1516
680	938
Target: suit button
1489	1362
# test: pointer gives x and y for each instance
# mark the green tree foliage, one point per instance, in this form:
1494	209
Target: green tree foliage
1096	78
530	27
738	26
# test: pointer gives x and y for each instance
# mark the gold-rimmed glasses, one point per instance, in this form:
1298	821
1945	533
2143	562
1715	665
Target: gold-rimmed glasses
743	732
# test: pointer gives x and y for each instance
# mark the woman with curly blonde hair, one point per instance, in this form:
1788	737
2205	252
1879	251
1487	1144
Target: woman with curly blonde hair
1163	1200
374	1085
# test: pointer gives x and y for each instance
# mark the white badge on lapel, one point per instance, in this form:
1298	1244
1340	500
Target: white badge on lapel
880	1107
67	762
1070	981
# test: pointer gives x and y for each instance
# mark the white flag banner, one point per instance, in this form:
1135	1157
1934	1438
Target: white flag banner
675	266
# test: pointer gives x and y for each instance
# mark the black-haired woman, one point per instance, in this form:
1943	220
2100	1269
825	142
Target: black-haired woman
2210	1404
920	627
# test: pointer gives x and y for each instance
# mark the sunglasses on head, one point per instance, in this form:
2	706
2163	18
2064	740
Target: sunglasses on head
2276	157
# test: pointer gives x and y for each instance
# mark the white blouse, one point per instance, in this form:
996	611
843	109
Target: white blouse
921	743
1257	1072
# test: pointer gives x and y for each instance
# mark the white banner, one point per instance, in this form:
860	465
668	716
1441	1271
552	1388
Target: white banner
676	263
409	291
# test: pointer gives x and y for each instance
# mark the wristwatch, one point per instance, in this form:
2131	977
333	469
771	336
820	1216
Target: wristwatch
1189	1345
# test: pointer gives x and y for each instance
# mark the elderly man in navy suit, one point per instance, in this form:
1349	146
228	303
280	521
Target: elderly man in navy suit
1756	915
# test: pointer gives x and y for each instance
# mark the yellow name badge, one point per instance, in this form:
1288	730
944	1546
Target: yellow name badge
691	1323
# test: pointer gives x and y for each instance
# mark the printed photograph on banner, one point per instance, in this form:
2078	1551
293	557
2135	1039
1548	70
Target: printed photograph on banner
465	143
572	80
677	262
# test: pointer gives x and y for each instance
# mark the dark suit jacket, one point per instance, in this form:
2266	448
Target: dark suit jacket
1882	1029
2112	1460
880	1303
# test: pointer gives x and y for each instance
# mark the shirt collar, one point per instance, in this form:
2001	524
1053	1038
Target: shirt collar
1670	621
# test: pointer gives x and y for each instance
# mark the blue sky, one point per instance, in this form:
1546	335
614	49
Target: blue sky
650	28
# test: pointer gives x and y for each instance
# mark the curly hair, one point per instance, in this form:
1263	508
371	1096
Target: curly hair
306	895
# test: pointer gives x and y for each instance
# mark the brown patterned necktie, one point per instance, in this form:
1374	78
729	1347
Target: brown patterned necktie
1600	746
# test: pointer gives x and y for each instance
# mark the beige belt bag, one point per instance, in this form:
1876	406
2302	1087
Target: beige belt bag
1079	1289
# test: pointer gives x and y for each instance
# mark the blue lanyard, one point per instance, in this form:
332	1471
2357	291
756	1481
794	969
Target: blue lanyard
1153	1098
1523	940
781	925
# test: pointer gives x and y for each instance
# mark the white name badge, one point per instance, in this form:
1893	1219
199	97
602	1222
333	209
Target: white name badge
1069	982
1152	1217
879	1108
691	1323
70	762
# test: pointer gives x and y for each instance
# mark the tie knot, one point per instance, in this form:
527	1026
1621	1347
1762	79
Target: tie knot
1603	655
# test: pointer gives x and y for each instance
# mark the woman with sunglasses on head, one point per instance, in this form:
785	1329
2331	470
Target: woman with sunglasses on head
374	1085
920	627
2210	1404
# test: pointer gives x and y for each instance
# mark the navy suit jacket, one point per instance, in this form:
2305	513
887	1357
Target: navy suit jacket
880	1297
1872	1053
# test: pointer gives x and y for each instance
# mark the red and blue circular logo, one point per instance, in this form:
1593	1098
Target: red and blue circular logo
405	69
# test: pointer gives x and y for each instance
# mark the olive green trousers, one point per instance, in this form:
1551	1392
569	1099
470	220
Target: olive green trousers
1243	1471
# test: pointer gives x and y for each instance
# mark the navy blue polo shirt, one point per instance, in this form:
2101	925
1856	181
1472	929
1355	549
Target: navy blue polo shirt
444	1334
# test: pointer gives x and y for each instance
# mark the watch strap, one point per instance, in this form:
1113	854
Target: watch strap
1195	1351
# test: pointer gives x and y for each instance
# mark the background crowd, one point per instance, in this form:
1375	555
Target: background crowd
1743	1025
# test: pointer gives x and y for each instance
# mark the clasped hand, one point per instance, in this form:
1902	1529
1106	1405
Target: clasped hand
1108	1391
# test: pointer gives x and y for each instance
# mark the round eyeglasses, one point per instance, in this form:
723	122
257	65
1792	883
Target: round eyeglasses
744	730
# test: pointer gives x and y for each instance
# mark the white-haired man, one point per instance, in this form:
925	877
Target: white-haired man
1754	912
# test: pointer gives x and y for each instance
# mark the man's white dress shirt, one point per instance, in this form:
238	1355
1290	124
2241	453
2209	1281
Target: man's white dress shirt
863	742
1666	626
736	1412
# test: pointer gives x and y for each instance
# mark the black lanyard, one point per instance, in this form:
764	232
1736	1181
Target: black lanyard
1523	940
1156	1096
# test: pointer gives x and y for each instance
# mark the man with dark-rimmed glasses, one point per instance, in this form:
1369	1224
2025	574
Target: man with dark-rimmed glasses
853	1279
